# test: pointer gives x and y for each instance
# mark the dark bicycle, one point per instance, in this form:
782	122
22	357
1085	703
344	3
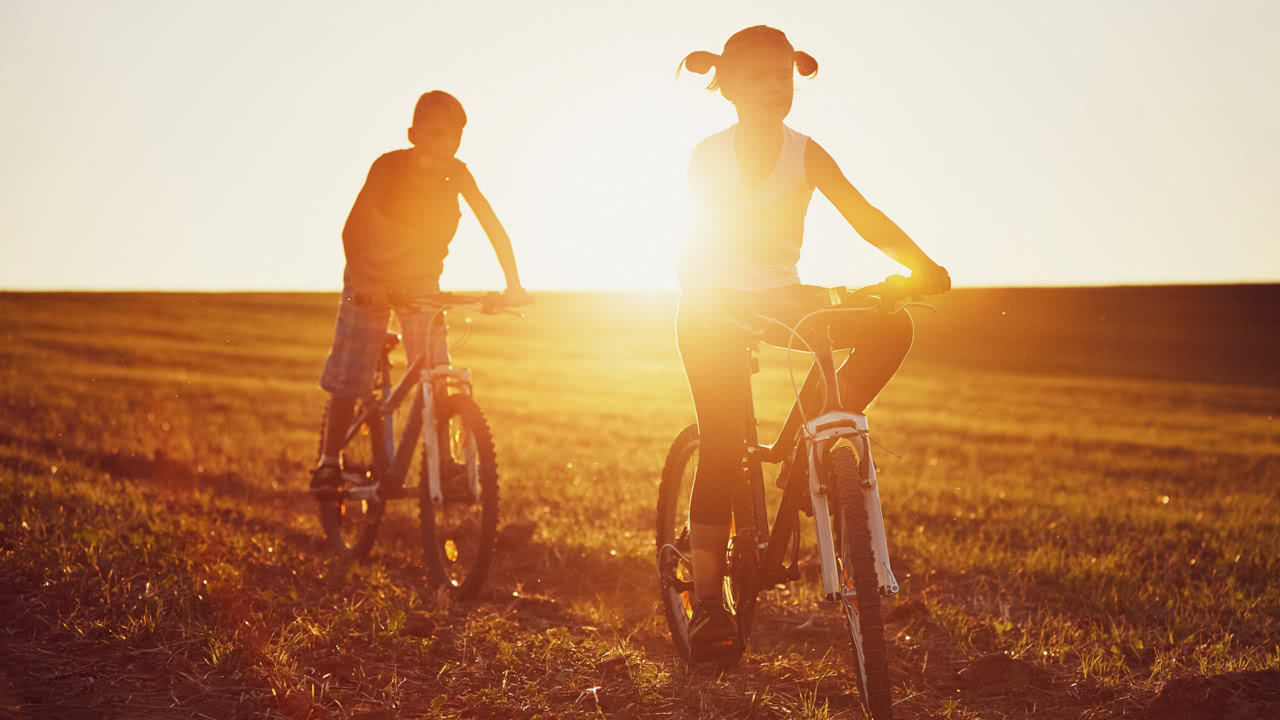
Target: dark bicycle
457	488
827	472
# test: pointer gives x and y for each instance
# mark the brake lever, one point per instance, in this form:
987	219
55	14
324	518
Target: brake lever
890	305
841	296
496	304
500	309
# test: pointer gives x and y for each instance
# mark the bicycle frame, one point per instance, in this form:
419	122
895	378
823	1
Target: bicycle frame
806	444
391	462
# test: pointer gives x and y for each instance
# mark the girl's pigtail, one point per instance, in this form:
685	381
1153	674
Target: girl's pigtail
701	62
805	64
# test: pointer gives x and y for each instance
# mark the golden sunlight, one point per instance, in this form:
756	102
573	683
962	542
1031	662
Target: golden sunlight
618	203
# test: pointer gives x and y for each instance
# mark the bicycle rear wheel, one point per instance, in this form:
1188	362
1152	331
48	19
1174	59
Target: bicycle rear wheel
458	534
675	567
351	526
869	654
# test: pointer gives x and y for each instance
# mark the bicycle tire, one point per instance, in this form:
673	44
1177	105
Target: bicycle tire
351	526
458	536
673	534
862	616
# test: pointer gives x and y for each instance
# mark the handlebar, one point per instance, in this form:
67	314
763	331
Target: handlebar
490	303
888	295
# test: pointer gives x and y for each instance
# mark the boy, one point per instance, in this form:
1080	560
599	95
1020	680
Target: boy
395	241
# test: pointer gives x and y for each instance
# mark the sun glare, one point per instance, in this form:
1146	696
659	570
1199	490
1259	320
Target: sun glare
598	203
616	211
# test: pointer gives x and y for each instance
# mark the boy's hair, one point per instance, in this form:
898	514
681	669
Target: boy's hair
439	99
744	42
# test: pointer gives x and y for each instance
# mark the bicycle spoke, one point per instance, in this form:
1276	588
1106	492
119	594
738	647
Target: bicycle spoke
458	534
351	524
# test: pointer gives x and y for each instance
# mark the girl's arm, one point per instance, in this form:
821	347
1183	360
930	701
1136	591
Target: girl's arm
489	222
874	226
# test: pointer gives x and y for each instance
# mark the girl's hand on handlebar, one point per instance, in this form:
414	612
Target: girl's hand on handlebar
931	280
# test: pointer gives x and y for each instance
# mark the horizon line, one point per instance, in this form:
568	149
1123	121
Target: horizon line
621	290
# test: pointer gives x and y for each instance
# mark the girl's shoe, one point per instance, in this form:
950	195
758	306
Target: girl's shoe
713	633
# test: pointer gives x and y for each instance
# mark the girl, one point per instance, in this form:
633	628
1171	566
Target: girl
750	187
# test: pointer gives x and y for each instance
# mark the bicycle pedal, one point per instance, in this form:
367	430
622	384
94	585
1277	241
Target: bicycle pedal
328	494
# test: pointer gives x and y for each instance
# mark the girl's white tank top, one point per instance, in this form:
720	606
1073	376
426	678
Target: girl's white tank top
744	236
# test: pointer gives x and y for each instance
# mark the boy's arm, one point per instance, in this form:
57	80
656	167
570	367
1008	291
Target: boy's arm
489	222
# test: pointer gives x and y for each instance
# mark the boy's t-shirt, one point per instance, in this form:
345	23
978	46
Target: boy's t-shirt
398	232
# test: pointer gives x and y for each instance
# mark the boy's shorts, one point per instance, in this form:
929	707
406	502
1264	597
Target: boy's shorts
358	337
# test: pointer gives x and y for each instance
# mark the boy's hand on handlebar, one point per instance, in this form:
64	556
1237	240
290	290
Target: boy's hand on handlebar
931	280
516	295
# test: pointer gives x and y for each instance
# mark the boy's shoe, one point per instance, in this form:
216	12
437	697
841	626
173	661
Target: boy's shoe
326	481
454	483
713	633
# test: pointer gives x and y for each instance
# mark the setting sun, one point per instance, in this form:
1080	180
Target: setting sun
1030	145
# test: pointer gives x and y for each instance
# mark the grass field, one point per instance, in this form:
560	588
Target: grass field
1081	489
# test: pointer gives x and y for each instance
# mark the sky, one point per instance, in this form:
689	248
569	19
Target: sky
148	144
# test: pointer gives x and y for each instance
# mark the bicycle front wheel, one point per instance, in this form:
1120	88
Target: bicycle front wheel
861	608
351	526
458	534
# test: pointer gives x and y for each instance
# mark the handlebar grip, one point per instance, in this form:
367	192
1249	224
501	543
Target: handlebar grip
897	282
491	303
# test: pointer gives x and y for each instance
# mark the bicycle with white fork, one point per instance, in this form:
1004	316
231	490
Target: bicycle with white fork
457	488
827	472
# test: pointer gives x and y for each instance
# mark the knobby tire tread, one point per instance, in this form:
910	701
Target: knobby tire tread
473	418
859	561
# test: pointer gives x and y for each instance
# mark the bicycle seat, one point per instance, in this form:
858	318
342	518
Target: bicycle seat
751	327
390	341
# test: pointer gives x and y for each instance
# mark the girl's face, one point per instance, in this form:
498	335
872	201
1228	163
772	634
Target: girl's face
761	84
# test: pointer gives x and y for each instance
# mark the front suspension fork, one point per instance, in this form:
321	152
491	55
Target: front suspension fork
434	391
822	433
